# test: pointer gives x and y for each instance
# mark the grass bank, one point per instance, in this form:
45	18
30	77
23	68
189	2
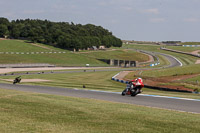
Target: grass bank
184	70
118	54
32	112
18	51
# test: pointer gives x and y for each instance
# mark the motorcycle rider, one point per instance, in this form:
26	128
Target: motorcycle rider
18	79
137	83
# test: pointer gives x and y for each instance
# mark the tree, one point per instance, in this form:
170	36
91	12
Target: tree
3	30
59	34
4	21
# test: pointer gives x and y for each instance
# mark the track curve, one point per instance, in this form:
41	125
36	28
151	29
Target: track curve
144	100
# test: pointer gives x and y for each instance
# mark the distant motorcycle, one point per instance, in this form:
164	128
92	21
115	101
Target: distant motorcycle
130	91
16	80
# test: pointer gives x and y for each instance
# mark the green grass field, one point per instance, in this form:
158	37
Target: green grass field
184	49
23	46
32	112
118	54
59	59
190	43
184	70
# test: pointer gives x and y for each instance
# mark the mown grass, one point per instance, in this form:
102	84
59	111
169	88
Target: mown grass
22	46
190	43
118	54
184	49
59	59
63	59
32	112
184	70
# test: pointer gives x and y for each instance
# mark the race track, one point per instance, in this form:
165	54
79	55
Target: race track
186	105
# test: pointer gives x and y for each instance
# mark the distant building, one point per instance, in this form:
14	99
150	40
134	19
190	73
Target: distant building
102	47
93	48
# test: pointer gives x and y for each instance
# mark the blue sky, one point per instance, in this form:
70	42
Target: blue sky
142	20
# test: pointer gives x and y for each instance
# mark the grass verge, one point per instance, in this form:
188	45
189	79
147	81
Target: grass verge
185	70
32	112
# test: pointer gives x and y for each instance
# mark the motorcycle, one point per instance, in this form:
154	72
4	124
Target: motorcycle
17	80
133	91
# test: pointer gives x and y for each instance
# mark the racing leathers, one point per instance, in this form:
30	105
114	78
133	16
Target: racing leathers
137	83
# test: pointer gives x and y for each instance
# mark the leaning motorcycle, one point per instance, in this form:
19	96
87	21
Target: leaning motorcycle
133	91
16	81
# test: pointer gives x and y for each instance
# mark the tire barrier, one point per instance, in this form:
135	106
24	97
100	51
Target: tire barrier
155	64
118	80
191	45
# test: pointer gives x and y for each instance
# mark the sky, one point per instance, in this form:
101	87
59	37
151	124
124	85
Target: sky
140	20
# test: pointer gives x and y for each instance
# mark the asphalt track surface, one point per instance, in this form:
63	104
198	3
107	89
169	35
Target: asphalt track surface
185	105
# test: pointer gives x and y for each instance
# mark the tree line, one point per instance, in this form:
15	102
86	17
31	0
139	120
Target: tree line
59	34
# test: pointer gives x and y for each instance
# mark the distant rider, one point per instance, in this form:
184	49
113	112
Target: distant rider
18	79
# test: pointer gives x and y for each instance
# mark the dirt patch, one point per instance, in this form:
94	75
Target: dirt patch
29	80
197	62
122	75
170	79
195	52
157	82
3	39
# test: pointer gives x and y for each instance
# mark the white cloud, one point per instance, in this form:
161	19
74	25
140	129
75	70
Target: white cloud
191	20
157	20
151	11
126	8
7	14
33	11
